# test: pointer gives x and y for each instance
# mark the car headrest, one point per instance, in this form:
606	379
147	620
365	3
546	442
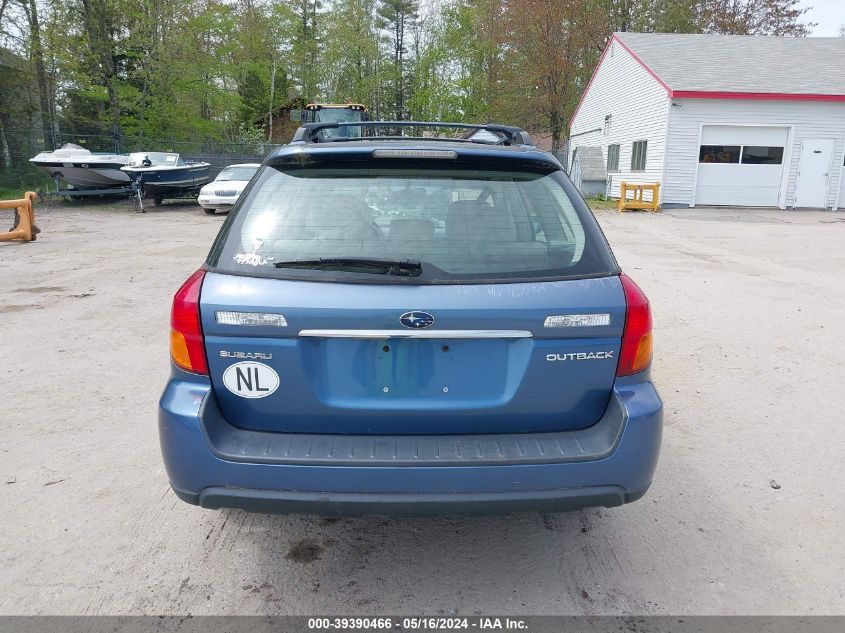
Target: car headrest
478	221
411	229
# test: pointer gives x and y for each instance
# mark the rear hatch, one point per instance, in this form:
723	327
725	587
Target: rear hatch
494	369
412	298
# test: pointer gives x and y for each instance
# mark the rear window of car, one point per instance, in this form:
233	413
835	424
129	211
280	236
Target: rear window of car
236	173
461	225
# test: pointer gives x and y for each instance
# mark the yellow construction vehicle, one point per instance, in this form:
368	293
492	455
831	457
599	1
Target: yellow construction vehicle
333	113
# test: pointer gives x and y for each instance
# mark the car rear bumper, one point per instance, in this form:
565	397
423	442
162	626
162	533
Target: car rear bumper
213	464
404	504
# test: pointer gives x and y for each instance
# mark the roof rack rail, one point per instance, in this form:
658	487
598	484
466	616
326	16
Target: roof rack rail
506	134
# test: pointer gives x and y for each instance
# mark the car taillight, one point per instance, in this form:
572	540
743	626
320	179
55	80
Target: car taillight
186	342
635	355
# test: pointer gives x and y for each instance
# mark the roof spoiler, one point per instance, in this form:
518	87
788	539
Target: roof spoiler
506	134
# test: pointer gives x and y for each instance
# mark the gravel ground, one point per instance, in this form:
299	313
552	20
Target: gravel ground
745	515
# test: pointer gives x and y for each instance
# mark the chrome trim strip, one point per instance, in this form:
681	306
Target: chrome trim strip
439	334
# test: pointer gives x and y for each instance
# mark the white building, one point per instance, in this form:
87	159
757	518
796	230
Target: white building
720	119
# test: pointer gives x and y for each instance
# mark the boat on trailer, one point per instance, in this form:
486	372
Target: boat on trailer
164	175
82	169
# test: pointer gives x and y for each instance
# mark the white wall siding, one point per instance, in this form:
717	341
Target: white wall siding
806	119
637	104
842	189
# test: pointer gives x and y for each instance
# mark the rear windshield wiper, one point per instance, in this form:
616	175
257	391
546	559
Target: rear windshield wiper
398	267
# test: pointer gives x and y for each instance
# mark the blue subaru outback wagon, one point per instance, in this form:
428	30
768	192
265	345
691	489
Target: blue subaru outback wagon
407	323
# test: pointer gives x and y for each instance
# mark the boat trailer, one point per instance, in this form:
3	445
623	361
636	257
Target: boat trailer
81	193
137	193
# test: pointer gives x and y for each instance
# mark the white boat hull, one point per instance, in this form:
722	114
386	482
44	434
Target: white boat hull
89	176
82	169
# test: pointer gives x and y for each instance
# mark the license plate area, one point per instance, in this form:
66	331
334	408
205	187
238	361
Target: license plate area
414	372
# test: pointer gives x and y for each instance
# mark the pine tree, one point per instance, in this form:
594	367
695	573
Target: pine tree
395	17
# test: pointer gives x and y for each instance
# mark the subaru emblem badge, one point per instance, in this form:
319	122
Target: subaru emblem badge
416	320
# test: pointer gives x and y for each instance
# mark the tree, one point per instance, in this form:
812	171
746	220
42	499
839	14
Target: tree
301	20
548	56
257	62
100	17
461	72
351	56
755	17
622	14
661	16
395	17
36	53
671	16
681	16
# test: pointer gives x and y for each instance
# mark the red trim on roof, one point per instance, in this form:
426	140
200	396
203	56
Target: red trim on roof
590	83
596	70
643	64
755	96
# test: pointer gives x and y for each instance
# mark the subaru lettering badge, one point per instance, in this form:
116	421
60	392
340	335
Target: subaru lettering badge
416	320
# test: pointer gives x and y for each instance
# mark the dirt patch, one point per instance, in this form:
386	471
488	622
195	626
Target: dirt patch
40	289
305	551
19	307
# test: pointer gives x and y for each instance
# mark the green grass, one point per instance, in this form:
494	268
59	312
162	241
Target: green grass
600	204
15	181
13	193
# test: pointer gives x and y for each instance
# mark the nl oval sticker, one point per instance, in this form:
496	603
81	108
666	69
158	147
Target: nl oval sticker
250	379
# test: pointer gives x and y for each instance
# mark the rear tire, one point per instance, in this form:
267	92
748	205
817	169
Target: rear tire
158	201
209	211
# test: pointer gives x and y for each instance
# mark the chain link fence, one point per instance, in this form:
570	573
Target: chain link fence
23	144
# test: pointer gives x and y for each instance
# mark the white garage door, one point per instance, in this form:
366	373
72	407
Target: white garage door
740	165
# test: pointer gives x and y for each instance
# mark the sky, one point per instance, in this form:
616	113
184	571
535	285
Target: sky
830	15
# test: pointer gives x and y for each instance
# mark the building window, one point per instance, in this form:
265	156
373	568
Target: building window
613	158
745	154
719	153
638	155
756	155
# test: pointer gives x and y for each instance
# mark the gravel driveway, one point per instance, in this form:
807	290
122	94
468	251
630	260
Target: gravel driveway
745	516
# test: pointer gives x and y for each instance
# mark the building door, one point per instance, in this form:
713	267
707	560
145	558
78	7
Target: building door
813	173
741	165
